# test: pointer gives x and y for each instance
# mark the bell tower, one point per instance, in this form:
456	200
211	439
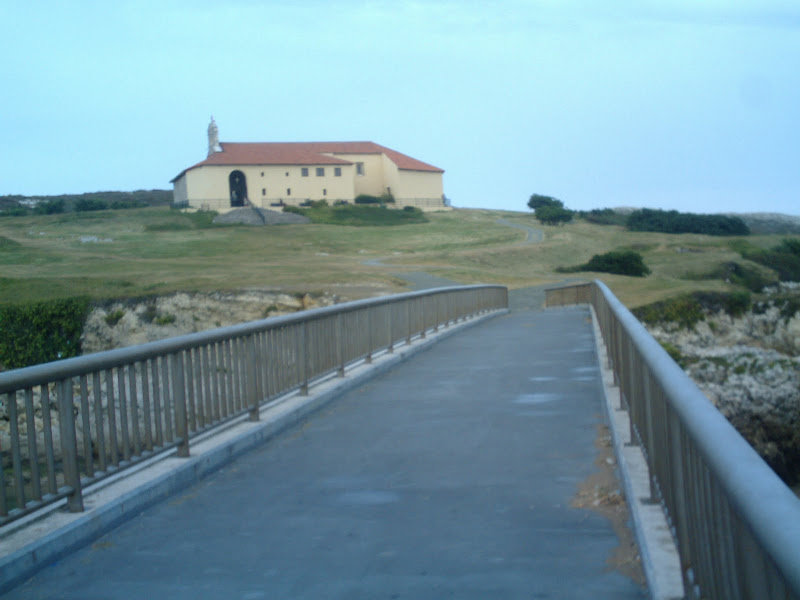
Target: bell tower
213	138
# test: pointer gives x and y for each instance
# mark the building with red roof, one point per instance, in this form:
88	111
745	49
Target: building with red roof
275	174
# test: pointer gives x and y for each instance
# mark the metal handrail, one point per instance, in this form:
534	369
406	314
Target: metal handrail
735	523
112	409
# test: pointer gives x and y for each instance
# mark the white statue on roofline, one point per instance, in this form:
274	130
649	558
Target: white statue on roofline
213	138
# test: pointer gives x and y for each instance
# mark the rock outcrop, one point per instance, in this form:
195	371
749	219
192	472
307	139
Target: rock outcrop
749	368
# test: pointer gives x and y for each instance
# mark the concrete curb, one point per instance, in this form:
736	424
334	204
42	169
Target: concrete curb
112	502
660	560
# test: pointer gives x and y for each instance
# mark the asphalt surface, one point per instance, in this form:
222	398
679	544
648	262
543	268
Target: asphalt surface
449	476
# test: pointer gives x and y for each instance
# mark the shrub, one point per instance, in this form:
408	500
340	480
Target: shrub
164	319
684	310
87	204
553	215
604	216
114	317
618	262
673	221
51	207
367	199
41	332
537	201
14	211
784	258
296	210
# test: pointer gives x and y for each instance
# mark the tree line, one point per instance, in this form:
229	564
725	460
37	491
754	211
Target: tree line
551	211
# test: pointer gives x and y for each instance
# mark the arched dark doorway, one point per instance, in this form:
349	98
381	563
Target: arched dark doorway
238	188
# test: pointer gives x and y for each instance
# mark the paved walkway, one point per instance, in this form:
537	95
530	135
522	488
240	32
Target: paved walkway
449	476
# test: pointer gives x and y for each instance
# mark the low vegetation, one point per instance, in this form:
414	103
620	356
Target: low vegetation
618	262
549	210
359	216
40	332
686	310
672	221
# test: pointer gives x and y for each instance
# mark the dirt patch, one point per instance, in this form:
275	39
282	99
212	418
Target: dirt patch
602	493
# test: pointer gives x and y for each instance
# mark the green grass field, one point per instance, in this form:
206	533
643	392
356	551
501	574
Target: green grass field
111	254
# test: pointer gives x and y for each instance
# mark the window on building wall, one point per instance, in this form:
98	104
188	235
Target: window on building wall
304	171
262	173
324	192
359	168
337	171
263	191
288	191
287	173
320	171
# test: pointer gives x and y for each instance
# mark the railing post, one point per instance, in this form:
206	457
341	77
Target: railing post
252	388
179	401
368	359
390	348
408	321
303	350
340	344
69	446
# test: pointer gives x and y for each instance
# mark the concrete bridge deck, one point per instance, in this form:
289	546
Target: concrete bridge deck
451	475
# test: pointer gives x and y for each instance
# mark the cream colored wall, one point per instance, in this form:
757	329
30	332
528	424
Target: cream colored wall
208	188
371	182
418	185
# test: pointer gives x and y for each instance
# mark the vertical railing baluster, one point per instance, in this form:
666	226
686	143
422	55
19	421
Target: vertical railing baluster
16	455
208	394
190	393
252	391
50	459
69	446
199	401
33	451
166	400
87	431
302	331
134	405
146	406
113	448
158	413
123	413
178	393
99	429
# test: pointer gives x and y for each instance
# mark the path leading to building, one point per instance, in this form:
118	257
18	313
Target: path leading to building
451	476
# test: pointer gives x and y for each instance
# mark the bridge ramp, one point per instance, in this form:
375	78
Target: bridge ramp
449	476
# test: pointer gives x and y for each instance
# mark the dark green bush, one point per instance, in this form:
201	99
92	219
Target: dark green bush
604	216
51	207
367	199
618	262
672	221
684	310
537	201
14	211
553	215
87	204
784	258
41	332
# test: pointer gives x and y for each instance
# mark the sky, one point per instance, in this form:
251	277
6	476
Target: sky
672	104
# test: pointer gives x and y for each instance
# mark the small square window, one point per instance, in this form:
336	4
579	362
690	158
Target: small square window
288	191
320	171
263	191
304	171
337	171
287	173
359	168
324	192
262	173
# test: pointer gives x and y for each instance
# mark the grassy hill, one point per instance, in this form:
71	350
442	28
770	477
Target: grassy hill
157	250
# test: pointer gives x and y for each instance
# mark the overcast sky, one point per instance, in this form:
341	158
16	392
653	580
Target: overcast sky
674	104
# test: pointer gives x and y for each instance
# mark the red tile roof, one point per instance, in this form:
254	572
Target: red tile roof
305	153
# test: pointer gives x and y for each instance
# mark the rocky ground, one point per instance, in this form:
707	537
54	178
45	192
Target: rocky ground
130	322
749	367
